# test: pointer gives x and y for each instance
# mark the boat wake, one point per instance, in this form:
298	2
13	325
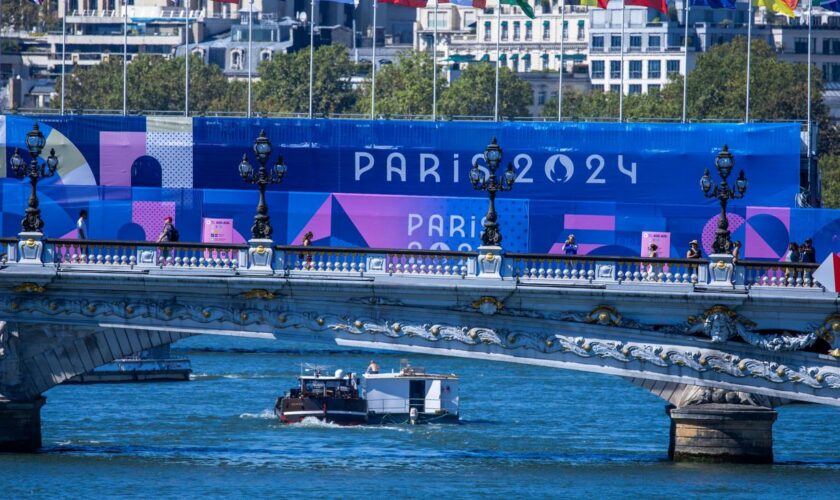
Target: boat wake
266	414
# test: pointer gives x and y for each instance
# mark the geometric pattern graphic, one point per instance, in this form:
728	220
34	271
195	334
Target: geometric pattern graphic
767	232
591	232
150	214
117	152
170	141
708	236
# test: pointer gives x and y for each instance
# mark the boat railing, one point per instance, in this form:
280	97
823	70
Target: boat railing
392	405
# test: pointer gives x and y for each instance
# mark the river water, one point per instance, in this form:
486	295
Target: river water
527	431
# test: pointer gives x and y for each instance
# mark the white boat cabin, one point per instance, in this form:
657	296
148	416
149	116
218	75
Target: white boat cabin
410	388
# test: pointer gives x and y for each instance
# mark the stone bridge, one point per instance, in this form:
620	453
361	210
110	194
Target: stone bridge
721	342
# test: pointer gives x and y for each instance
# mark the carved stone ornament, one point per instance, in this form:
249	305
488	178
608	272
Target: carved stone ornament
604	315
488	305
29	288
722	324
829	330
258	293
694	395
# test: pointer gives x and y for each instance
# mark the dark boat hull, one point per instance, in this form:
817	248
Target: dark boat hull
341	411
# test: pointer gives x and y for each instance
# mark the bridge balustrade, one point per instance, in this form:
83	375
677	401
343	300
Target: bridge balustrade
70	253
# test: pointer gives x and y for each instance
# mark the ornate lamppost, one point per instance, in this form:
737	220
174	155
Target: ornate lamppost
724	163
35	141
491	236
261	230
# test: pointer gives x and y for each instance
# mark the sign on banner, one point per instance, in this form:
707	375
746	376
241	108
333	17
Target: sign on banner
216	230
662	241
828	274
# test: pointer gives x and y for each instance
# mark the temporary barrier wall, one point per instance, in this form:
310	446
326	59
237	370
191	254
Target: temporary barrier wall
405	184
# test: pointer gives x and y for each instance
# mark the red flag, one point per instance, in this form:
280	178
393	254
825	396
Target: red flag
660	5
414	4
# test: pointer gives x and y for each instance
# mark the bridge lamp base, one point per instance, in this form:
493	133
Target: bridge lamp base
721	433
20	426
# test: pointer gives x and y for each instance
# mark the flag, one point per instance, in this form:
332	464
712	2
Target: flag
478	4
778	6
414	4
522	4
715	4
660	5
601	4
832	5
828	274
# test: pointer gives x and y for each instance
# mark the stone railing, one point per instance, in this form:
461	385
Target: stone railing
261	256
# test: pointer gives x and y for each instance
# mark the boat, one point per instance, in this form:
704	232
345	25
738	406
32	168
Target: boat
153	365
334	398
409	396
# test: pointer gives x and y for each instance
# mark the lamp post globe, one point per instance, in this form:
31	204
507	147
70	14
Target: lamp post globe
724	162
262	177
491	236
35	171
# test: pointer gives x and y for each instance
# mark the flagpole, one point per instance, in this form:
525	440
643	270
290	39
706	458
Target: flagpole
562	53
621	73
125	57
187	58
311	52
687	11
63	55
373	67
810	3
434	66
498	58
749	50
250	45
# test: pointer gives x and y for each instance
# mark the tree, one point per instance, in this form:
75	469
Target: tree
154	84
830	173
404	88
473	94
26	15
284	82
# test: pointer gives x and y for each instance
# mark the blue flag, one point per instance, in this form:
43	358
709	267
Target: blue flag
832	5
715	4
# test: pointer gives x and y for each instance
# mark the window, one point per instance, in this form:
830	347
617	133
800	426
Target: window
541	98
265	55
597	44
504	30
635	89
516	30
440	20
581	30
597	69
487	31
826	46
529	32
673	67
565	30
654	42
654	69
654	88
615	69
636	70
547	33
835	46
615	43
527	64
615	88
236	60
835	72
544	58
636	42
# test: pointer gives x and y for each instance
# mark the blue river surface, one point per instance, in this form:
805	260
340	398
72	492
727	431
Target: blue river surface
527	432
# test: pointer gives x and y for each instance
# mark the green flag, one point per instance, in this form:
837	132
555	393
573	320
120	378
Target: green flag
522	4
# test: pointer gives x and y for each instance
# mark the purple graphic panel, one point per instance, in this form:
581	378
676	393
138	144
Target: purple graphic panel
117	152
150	214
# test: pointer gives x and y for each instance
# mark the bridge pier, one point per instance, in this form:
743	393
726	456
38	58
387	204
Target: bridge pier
20	425
715	432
